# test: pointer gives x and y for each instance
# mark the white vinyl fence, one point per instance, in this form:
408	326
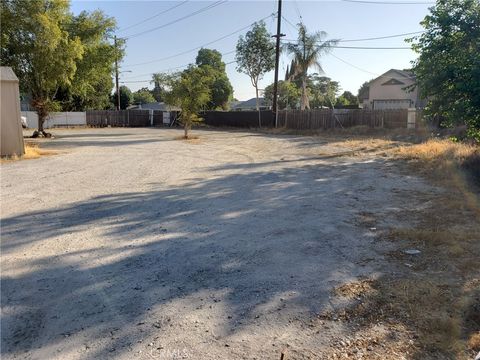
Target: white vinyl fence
56	119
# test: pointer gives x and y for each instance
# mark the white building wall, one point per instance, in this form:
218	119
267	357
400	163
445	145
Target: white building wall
56	119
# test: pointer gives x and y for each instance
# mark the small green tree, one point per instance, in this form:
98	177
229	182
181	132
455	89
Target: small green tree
189	90
255	54
142	96
126	97
37	45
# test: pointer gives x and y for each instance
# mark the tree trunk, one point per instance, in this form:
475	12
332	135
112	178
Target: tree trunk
304	103
258	107
185	130
41	121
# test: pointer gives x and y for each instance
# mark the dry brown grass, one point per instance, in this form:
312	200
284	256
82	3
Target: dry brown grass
437	296
452	165
474	342
32	151
435	152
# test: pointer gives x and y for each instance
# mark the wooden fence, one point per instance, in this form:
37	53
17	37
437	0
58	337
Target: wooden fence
126	118
290	119
310	119
330	119
243	119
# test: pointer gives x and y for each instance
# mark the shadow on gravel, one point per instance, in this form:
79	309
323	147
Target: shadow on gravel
253	237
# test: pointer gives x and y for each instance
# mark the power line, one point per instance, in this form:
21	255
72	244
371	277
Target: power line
173	68
198	47
289	23
182	66
211	6
383	37
154	16
297	9
364	39
390	2
372	47
365	71
366	47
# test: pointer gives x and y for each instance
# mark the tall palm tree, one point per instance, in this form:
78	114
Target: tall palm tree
306	54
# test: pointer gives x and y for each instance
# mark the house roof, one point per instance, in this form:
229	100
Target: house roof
403	73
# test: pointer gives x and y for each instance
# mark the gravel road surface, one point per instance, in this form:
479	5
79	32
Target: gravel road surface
130	244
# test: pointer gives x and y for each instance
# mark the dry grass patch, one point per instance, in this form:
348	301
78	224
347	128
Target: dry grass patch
32	151
194	139
450	164
434	295
474	342
419	309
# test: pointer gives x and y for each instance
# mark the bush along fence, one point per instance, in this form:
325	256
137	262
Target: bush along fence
130	118
316	119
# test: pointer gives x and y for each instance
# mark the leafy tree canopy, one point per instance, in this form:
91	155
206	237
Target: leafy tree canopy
92	83
322	91
62	60
126	97
364	91
347	98
220	88
37	44
142	96
448	68
288	95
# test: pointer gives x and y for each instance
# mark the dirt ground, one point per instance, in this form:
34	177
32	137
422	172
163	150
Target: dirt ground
130	244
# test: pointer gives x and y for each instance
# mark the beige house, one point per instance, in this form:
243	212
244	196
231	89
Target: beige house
392	90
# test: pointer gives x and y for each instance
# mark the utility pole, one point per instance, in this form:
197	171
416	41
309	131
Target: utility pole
116	73
277	57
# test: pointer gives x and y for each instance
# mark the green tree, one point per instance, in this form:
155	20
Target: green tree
321	90
159	81
220	87
92	83
255	54
126	97
306	53
350	99
288	95
36	43
142	96
341	101
448	68
189	90
364	91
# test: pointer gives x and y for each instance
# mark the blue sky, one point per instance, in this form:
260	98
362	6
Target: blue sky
340	19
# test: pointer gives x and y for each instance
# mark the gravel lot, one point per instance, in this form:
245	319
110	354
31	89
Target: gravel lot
130	244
